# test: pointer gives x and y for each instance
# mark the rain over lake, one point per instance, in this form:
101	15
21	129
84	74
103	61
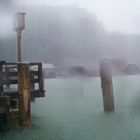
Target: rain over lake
73	109
70	70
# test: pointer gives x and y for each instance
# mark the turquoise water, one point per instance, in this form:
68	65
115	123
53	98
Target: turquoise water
73	110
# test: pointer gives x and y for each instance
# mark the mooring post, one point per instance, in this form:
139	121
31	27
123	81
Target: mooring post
24	95
107	86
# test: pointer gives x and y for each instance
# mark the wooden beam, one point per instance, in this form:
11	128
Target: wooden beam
107	86
40	77
34	93
24	95
32	87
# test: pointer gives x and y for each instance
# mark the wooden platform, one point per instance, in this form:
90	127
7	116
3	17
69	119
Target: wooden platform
9	77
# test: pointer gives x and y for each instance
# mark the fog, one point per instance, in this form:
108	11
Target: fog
7	9
74	33
116	15
90	55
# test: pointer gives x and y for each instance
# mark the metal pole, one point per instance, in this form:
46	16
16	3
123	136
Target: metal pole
19	45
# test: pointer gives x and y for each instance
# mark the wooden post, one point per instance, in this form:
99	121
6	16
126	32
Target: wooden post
41	78
4	104
107	86
7	77
32	84
24	95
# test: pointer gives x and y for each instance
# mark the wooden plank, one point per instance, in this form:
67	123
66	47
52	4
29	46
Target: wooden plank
10	82
11	63
15	81
10	74
4	100
32	86
35	93
33	64
34	72
15	73
38	93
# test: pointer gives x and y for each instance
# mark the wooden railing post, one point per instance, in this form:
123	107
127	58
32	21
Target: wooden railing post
24	95
32	85
41	79
107	86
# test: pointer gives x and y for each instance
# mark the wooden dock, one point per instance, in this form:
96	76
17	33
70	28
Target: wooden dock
21	83
9	77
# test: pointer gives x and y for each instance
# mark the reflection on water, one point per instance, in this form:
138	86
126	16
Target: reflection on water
73	110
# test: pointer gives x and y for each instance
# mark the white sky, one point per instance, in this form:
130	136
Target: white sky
116	15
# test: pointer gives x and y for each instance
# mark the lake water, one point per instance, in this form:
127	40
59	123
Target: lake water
73	110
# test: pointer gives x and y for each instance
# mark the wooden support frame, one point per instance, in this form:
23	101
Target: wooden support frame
4	107
9	77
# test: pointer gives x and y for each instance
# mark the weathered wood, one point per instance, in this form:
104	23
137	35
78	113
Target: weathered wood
10	74
4	106
13	113
32	87
35	94
40	77
107	86
24	95
9	77
4	101
15	81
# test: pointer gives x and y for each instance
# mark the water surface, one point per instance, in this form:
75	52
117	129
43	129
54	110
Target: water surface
73	110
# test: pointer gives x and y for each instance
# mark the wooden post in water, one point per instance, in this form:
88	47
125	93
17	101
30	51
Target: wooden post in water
24	95
107	86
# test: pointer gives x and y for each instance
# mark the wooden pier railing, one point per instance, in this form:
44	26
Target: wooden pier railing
9	80
21	81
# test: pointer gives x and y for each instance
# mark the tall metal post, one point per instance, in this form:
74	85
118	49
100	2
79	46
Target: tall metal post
19	45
